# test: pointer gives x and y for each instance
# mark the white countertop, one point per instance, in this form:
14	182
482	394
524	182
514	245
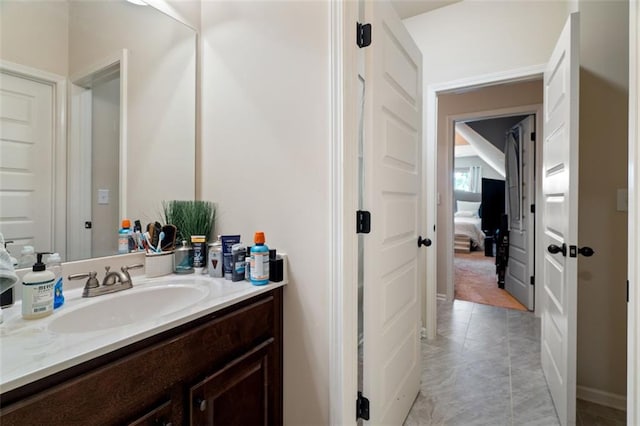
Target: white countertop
30	350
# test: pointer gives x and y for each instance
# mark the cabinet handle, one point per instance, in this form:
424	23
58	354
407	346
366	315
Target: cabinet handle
201	404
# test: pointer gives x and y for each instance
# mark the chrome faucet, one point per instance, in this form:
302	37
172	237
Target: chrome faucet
113	281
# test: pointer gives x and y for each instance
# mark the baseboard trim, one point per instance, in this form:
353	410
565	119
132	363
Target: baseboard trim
441	296
597	396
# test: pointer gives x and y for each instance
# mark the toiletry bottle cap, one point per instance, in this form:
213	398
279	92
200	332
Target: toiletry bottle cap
126	223
258	238
39	266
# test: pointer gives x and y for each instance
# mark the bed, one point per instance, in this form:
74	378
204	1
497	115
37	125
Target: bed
468	233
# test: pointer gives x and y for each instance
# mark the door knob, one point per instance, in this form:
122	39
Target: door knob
586	251
423	241
201	404
554	249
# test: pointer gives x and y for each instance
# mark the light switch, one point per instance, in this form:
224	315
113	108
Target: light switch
103	196
623	200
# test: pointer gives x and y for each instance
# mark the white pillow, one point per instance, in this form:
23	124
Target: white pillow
464	213
469	206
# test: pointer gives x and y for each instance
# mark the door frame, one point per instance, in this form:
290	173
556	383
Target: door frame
535	110
343	258
59	133
431	111
633	306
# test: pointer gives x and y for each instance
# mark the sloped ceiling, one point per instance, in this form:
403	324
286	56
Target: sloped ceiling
477	145
494	129
409	8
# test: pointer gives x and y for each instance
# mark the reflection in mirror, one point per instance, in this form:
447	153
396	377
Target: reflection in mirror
97	121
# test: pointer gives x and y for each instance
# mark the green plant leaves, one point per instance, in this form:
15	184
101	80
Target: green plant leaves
191	217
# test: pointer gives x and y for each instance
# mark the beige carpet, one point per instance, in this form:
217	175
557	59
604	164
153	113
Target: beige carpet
475	280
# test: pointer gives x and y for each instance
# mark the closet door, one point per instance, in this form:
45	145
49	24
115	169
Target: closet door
519	158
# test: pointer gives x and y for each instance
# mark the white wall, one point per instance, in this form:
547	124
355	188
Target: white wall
475	161
46	48
604	43
265	161
473	38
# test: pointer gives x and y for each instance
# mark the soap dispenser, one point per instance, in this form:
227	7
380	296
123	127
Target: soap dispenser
37	291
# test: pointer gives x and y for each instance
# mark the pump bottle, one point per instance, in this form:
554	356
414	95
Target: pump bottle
37	291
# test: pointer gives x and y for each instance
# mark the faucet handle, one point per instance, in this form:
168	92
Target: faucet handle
136	266
92	282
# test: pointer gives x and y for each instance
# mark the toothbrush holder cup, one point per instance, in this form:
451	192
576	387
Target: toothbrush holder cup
158	264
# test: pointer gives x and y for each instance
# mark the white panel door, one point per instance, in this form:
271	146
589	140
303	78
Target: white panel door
393	262
26	162
560	221
519	166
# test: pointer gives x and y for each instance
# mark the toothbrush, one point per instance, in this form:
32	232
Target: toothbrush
145	244
160	238
138	238
147	241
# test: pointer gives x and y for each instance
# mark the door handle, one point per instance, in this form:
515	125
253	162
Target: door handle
423	241
586	251
554	249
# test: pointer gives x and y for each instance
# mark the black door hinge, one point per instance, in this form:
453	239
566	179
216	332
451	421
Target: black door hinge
363	222
363	34
362	407
533	208
88	224
532	280
627	291
533	136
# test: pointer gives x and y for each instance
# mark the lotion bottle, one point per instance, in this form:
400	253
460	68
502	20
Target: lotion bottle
37	291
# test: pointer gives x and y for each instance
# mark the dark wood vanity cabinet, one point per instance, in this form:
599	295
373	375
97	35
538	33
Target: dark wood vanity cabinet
223	369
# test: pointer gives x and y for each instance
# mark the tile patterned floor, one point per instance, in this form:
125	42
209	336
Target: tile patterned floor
484	369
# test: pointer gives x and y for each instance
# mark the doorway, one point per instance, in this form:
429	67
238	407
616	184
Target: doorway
493	179
97	142
460	108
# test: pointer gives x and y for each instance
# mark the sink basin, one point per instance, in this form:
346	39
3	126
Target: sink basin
128	307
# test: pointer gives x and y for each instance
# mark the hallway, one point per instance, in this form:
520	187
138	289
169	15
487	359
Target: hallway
483	369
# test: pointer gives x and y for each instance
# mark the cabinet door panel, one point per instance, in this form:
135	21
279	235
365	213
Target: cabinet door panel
241	393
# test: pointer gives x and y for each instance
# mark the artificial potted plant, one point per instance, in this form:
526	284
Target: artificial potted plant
191	217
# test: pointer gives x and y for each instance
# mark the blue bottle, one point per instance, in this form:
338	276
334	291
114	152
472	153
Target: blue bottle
54	263
259	260
123	236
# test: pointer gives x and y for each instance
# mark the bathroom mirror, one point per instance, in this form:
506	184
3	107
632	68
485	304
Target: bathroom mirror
97	121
